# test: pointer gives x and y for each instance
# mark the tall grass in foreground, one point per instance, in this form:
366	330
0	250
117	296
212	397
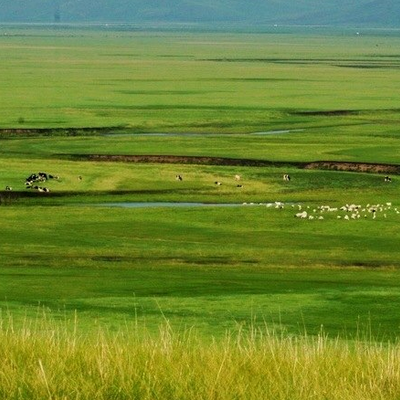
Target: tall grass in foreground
48	361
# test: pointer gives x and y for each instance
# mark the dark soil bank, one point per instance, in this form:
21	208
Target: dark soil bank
164	159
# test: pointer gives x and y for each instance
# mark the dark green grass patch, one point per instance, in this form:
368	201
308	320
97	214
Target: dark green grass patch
212	268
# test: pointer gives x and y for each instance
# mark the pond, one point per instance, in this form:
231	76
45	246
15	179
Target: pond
275	132
280	132
134	204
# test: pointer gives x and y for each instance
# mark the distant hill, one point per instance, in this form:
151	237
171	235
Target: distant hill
313	12
370	12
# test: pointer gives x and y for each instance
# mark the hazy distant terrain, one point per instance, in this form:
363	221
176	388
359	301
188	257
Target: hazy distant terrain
314	12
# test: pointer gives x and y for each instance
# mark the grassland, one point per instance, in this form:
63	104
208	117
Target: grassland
204	83
203	270
176	365
332	91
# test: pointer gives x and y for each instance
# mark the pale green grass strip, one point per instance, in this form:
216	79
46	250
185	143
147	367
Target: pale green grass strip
45	360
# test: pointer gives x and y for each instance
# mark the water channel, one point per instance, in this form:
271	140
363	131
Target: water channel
275	132
134	204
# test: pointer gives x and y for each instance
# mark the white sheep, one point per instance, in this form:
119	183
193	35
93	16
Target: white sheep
301	215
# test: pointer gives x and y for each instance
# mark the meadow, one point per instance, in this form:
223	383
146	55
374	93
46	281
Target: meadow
214	274
196	82
178	365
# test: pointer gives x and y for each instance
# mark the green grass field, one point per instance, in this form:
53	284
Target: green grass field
199	265
211	269
203	83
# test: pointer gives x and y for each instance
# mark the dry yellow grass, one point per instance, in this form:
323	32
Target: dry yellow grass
46	360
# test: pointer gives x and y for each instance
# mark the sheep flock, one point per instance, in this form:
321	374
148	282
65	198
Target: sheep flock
347	212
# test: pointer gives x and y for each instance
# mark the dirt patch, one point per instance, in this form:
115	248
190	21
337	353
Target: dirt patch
163	159
354	167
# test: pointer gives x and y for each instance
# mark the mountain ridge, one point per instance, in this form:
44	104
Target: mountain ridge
310	12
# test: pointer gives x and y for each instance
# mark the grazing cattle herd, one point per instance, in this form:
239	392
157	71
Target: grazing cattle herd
39	177
43	177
